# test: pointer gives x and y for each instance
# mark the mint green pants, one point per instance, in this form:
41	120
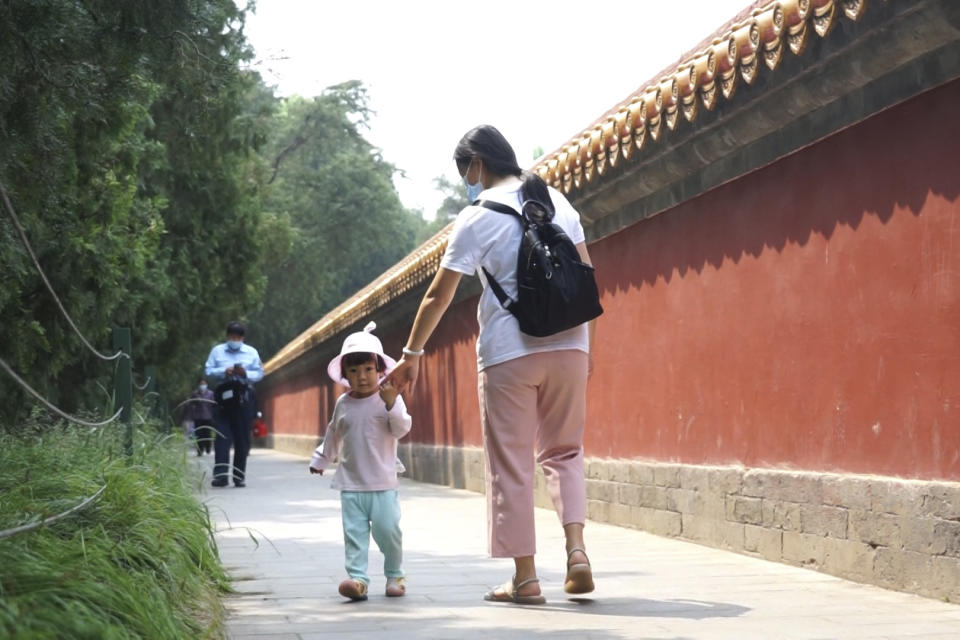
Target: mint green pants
376	512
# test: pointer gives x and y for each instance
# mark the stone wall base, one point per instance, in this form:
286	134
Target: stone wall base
458	467
296	444
898	534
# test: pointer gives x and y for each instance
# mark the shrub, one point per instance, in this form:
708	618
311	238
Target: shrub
138	562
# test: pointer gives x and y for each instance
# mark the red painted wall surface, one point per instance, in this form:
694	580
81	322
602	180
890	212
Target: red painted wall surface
299	406
806	315
444	407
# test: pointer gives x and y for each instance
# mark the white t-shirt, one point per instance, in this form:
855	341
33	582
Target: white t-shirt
484	238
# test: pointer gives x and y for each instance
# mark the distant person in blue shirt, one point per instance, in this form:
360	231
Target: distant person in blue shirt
232	368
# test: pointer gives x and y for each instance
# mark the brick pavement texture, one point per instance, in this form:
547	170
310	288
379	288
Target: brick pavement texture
281	540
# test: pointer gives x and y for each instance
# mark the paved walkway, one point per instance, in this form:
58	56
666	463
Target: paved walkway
647	586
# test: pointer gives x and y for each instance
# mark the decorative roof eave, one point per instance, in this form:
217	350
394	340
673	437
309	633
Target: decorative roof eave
410	272
697	82
737	53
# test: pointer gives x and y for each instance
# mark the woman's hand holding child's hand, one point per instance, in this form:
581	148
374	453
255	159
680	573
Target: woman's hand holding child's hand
388	393
405	374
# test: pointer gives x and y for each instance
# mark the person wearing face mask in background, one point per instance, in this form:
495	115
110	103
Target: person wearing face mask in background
233	367
200	413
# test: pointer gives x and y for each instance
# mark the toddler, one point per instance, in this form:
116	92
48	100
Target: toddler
367	422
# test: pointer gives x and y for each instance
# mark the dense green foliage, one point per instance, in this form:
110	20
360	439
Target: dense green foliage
138	562
455	199
127	148
165	188
333	217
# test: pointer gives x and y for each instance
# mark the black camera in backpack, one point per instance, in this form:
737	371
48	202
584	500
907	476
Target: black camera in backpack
231	393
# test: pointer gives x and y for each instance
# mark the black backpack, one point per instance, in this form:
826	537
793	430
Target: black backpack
556	290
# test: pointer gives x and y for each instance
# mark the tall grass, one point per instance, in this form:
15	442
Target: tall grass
139	562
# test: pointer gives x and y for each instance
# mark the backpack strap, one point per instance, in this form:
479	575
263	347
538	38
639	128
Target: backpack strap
505	301
499	207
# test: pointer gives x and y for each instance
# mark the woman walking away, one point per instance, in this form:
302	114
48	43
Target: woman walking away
532	389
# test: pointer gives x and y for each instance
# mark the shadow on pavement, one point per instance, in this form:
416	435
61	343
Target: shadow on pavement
642	607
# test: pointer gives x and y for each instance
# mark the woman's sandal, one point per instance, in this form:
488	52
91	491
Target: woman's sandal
579	575
507	592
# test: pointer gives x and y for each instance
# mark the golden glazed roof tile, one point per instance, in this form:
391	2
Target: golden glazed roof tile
714	69
733	57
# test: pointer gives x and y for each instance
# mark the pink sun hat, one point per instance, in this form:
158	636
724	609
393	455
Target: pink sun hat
360	342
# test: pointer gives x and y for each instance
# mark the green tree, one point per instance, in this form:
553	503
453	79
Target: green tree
335	220
127	138
455	199
211	123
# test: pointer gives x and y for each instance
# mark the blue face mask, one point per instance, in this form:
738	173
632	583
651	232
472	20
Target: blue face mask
234	345
473	190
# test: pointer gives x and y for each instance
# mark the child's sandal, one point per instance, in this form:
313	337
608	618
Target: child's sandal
396	587
353	589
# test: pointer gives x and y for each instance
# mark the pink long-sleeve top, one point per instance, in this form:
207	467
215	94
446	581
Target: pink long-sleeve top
363	435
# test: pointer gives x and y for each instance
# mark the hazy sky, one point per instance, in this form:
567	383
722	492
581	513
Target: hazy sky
539	71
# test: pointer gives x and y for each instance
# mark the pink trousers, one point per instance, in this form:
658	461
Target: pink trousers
533	404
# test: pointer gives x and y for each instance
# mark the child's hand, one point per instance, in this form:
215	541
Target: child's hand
405	374
388	393
313	471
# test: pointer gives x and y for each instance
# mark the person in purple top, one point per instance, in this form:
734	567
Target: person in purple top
200	412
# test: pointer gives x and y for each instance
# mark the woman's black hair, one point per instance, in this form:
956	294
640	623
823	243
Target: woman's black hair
356	359
488	144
